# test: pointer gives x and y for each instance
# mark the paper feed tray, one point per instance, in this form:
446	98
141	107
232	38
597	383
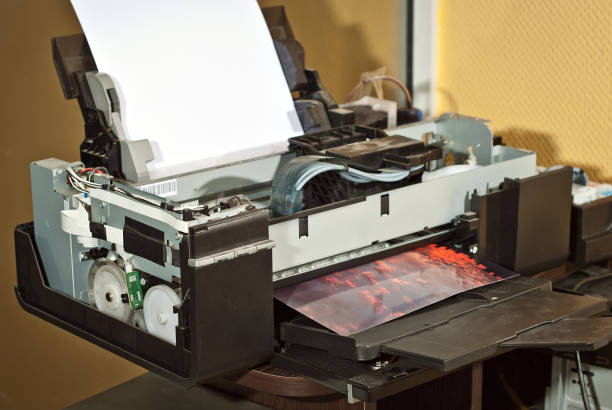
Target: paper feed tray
519	312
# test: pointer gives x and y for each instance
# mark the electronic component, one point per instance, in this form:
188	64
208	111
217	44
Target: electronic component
134	288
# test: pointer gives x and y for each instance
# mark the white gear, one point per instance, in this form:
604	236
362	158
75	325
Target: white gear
158	312
106	285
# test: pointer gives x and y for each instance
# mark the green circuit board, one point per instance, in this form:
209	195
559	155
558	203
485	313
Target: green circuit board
132	279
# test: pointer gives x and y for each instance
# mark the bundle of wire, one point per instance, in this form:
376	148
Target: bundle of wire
79	182
82	184
286	197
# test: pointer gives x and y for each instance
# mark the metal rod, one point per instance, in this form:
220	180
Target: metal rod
583	390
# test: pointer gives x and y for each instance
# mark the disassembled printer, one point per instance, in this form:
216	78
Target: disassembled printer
177	275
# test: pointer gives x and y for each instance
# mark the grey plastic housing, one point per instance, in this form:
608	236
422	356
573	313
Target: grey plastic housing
134	154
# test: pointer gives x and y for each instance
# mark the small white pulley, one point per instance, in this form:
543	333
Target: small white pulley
106	284
158	313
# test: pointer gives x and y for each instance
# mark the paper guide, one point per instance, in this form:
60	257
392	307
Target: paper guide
199	79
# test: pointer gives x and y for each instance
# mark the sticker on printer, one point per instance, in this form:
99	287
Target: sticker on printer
163	188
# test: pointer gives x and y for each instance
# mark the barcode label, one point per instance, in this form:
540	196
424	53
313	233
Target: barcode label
164	188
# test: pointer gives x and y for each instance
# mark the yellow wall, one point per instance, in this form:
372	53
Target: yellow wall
540	70
42	366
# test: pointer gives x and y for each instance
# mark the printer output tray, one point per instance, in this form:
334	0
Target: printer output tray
518	312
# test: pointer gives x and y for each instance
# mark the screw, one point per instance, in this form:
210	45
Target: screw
234	201
379	365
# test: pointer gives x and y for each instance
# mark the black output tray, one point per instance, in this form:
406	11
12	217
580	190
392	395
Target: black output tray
467	327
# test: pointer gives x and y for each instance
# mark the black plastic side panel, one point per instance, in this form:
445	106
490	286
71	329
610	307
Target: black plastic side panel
232	321
233	316
591	238
129	342
527	222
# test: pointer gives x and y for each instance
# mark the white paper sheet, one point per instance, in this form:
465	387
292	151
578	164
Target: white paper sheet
199	79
